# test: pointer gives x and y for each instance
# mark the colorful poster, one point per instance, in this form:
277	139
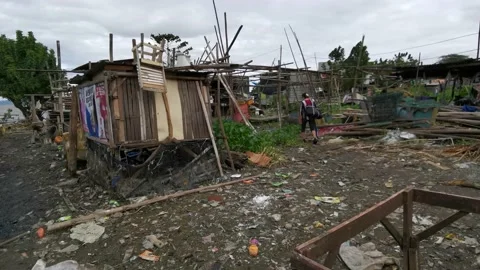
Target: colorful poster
90	114
81	98
101	109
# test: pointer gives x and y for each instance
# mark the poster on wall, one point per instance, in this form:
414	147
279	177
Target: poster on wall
90	114
81	98
101	109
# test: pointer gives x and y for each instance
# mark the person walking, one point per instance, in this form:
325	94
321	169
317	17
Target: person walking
308	114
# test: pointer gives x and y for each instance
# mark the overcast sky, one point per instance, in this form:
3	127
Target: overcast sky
388	25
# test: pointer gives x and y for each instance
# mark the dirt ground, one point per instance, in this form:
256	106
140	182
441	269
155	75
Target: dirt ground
196	231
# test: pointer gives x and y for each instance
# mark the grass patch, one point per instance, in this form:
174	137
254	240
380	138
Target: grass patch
267	139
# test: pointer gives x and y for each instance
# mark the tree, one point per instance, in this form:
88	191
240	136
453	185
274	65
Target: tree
24	52
451	58
172	42
351	63
336	57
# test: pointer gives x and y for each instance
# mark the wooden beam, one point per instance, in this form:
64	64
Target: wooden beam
72	151
209	127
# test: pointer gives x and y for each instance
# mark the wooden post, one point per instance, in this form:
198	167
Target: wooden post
110	117
358	66
478	43
142	36
59	85
279	89
220	124
110	47
72	151
418	67
209	127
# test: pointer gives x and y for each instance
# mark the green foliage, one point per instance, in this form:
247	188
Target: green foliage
241	138
452	58
24	52
399	59
172	41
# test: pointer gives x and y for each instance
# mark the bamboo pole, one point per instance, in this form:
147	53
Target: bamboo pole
209	127
228	89
222	48
220	124
279	90
110	47
59	85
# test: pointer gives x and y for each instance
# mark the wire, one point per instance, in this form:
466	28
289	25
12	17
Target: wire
258	55
414	47
425	45
473	50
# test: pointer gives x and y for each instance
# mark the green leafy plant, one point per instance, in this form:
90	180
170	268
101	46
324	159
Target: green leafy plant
241	138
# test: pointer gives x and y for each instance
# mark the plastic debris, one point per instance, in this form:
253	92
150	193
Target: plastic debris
260	160
366	257
389	183
277	217
208	239
65	218
65	265
340	183
277	184
318	225
114	203
149	256
331	200
253	248
236	176
248	182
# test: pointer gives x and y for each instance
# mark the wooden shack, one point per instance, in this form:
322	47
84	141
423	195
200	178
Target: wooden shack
152	132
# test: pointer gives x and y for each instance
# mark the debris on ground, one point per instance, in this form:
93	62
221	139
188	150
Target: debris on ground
366	257
149	256
87	232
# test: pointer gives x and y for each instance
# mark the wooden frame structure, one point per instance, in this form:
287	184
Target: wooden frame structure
305	255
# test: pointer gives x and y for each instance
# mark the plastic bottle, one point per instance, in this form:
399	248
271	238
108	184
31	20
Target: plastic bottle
253	248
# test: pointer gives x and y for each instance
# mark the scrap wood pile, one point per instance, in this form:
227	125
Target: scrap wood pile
450	122
465	151
462	118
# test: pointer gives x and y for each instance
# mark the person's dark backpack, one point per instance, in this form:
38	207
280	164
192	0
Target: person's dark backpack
311	110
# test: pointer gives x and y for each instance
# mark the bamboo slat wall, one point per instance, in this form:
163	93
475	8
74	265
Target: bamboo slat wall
127	126
194	126
186	112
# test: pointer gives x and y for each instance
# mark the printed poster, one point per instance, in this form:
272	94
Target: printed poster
101	109
90	114
81	98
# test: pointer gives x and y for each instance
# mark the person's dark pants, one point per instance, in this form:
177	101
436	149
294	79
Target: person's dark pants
311	123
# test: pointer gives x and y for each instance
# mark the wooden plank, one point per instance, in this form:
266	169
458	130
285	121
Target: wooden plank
141	112
150	62
121	111
185	110
148	124
154	87
153	112
437	227
462	203
130	113
109	119
136	112
407	227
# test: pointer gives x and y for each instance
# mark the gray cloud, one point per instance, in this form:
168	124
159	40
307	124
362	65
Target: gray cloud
83	26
